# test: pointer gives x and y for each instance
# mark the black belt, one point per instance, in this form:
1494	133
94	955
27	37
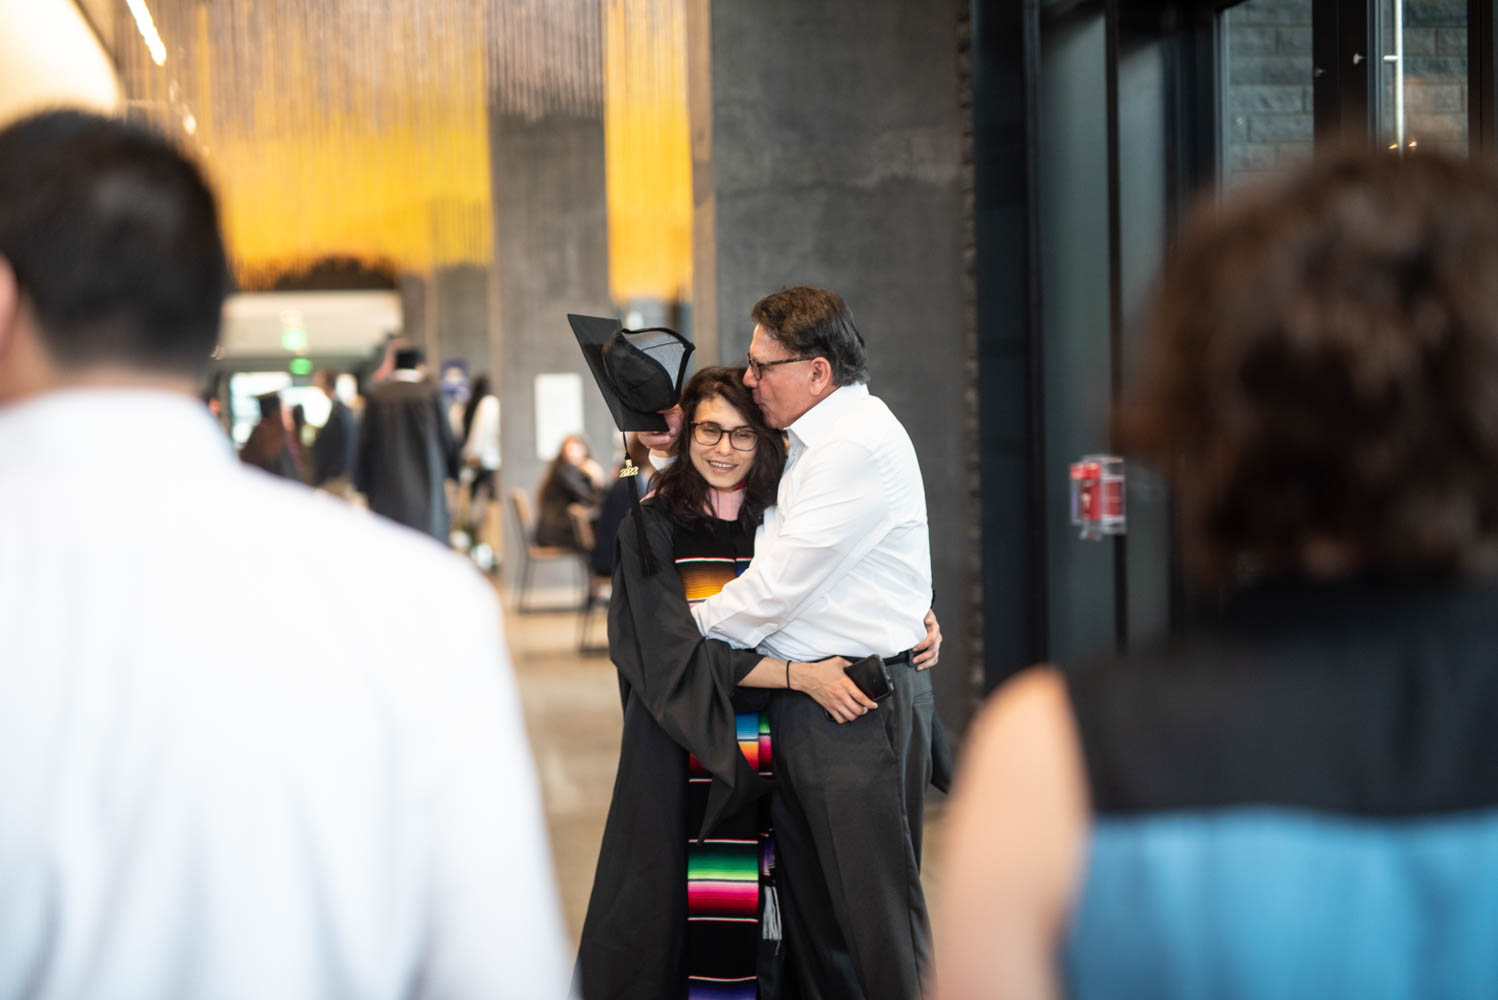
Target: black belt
906	657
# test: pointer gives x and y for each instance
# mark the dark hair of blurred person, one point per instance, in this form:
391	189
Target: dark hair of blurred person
1299	789
683	491
190	763
1323	371
113	240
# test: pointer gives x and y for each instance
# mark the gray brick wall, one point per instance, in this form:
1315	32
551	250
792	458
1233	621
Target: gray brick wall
1266	87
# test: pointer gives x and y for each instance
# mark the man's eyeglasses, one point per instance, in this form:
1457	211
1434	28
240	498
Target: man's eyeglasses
740	438
758	367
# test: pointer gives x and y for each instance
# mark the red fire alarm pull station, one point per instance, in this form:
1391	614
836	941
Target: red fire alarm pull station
1097	496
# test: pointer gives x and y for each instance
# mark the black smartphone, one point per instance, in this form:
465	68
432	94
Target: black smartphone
871	676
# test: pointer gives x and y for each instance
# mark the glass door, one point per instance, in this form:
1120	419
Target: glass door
1421	94
1404	74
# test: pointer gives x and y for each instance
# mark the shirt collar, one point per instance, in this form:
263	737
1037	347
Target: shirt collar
406	375
819	420
86	427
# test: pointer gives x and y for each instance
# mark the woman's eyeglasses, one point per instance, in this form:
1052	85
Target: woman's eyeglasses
740	438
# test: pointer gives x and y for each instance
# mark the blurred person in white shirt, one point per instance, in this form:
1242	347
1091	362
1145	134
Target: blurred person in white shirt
208	793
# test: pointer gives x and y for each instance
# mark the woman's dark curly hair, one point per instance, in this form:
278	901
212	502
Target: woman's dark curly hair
681	487
1322	383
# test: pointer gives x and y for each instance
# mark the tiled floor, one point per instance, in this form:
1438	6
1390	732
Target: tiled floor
572	711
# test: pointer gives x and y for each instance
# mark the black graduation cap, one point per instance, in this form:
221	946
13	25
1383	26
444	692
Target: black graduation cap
639	372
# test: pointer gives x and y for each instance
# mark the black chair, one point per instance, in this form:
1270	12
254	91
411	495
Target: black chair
530	552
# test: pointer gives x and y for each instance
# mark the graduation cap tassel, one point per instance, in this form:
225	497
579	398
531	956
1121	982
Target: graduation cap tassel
631	471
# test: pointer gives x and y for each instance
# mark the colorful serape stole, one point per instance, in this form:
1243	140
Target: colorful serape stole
724	876
704	576
726	872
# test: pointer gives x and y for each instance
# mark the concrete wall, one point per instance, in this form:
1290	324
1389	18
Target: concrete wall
461	317
834	132
551	258
415	293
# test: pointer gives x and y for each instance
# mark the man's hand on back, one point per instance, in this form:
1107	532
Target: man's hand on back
928	650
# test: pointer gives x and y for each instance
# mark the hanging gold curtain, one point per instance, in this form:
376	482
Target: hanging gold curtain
646	138
356	127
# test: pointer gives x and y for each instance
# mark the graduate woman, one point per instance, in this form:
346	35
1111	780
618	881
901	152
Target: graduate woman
684	903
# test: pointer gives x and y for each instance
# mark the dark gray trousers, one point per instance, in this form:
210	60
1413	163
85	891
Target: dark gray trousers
847	811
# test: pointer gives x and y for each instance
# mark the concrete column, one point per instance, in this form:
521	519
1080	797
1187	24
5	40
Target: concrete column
415	303
462	317
828	152
550	258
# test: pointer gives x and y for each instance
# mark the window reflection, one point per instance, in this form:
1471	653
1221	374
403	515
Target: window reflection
1422	92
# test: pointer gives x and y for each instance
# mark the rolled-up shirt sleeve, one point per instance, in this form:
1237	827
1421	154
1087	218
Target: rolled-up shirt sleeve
840	514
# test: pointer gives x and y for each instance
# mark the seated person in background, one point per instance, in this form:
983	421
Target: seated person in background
269	444
573	477
1297	797
616	503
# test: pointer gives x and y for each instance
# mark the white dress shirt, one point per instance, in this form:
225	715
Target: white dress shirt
842	564
253	743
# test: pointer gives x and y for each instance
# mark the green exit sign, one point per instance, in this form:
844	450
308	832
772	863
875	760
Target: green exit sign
294	339
301	366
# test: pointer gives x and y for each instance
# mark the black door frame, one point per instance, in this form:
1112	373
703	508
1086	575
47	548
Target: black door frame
1006	40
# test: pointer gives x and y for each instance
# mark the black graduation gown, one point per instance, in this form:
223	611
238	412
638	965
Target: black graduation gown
678	693
406	451
260	450
334	448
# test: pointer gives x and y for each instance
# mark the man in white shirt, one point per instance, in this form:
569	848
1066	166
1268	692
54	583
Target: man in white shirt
842	566
206	791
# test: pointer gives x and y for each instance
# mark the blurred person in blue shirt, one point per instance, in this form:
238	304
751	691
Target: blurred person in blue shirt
1297	796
